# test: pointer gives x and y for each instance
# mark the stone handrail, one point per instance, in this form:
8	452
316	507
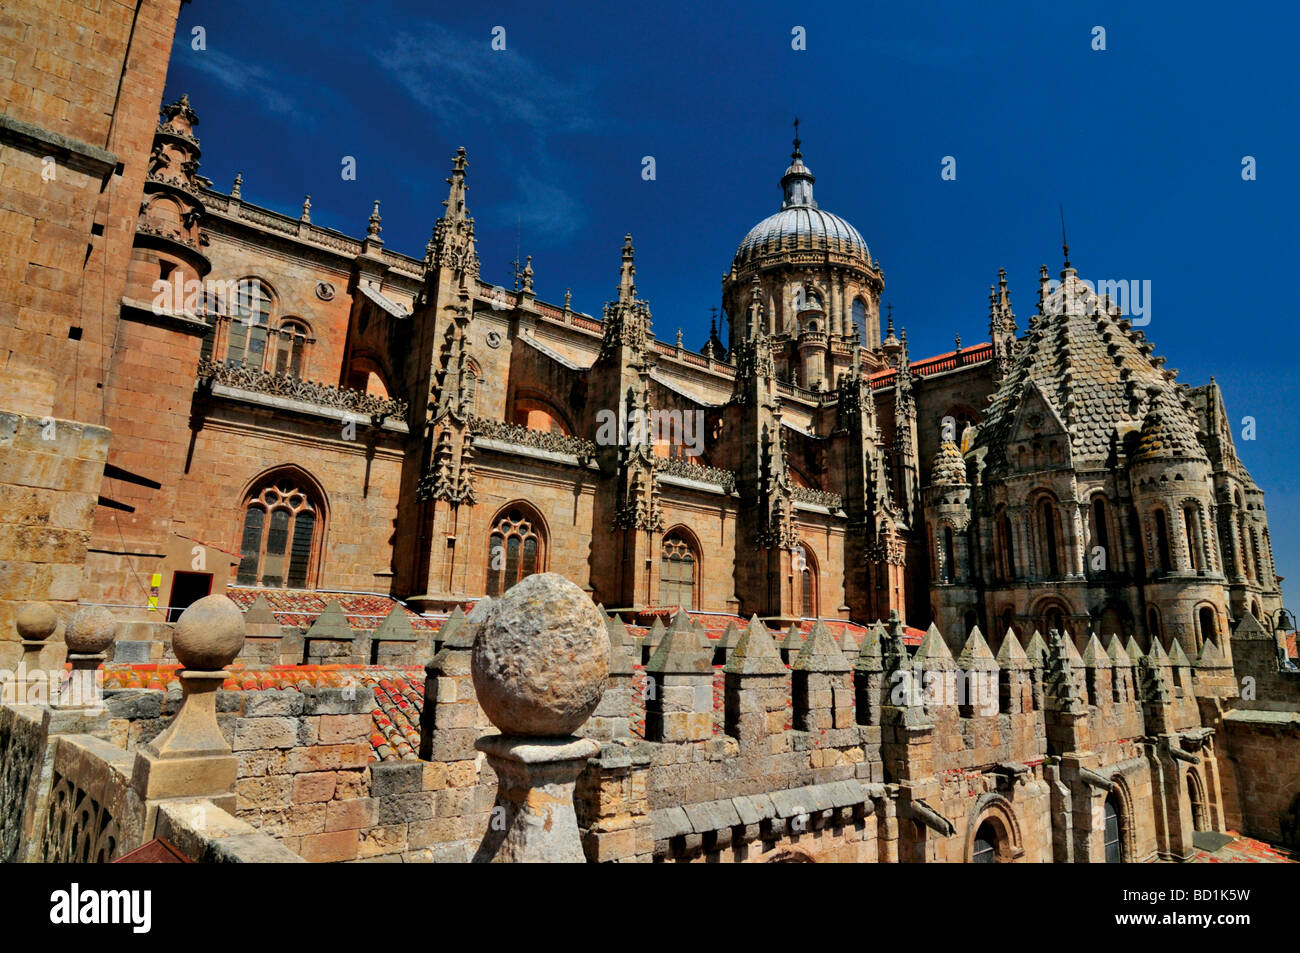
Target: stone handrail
280	385
522	436
808	494
696	471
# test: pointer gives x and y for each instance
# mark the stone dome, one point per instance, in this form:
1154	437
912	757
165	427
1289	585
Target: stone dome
800	225
948	468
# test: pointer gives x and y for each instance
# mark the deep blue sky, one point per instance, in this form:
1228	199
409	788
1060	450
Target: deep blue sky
1142	143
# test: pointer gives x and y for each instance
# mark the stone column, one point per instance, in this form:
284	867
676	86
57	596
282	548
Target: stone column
540	664
191	758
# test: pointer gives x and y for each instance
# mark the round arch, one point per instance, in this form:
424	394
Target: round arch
1122	796
527	402
1197	801
996	812
361	366
1053	612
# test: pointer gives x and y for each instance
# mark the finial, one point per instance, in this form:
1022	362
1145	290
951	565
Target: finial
959	344
528	274
374	227
679	339
889	311
568	298
237	188
796	154
626	283
1065	244
306	209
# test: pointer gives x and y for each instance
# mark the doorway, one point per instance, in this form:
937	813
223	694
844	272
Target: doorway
187	588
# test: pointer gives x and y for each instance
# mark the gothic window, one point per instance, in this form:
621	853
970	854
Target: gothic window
807	572
1163	562
677	565
279	543
290	346
251	317
515	549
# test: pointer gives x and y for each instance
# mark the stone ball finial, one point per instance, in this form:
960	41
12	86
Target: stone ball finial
36	622
209	634
541	658
90	630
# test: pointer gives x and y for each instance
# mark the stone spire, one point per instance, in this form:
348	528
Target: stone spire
627	273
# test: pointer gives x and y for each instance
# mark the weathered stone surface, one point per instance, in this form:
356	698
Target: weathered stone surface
209	634
541	658
90	630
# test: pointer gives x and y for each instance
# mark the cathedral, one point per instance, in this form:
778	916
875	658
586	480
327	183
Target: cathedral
259	477
334	415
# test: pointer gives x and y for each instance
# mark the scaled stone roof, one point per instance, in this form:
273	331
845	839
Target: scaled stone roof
1168	430
1092	372
948	468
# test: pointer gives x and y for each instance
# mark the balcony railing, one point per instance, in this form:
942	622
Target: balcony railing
311	392
549	440
688	470
808	494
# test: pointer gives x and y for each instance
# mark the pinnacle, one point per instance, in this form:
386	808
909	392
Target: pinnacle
755	653
820	653
976	653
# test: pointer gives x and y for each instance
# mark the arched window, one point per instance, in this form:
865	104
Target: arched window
1112	837
1207	628
1100	535
1055	619
1163	562
860	320
1007	545
1191	526
677	565
1153	626
807	573
1197	801
290	347
251	317
1047	517
986	845
279	545
949	569
515	549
